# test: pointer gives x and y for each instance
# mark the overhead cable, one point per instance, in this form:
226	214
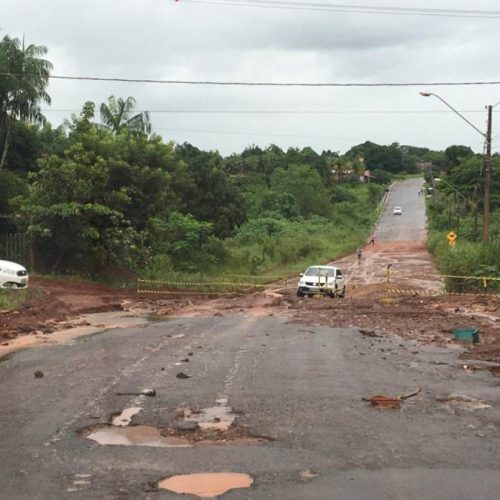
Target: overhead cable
359	9
261	84
282	111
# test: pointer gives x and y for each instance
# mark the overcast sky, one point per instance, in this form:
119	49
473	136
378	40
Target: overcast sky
165	39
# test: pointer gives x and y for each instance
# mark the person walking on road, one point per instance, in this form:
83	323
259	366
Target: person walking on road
372	239
359	251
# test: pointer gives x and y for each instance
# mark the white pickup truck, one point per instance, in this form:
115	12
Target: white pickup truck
326	280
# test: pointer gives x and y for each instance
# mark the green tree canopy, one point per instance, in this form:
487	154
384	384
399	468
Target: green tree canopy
117	115
22	88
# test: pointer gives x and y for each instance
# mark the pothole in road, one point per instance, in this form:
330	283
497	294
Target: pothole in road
125	417
215	418
139	435
143	435
210	426
206	485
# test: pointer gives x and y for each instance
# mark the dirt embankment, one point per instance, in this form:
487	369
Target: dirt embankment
54	302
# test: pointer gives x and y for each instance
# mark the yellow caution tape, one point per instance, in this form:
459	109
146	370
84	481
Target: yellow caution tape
173	292
435	294
488	278
199	283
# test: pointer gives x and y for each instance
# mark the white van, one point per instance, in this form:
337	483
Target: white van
12	275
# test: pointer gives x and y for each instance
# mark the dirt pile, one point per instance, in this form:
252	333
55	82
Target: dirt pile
54	302
43	313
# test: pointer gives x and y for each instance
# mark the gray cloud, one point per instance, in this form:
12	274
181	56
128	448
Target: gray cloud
153	39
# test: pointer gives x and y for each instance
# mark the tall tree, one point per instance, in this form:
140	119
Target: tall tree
24	76
116	115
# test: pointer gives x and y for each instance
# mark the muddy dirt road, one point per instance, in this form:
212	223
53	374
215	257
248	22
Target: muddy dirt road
265	396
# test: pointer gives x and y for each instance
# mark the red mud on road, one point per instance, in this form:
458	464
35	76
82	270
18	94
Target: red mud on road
54	302
372	304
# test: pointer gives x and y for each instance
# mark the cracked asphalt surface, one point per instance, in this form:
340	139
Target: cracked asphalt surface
300	385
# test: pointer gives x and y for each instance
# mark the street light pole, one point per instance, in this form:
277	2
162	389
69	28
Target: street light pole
487	179
487	159
455	190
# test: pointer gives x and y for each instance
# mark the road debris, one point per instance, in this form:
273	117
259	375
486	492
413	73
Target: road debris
469	368
186	425
464	402
145	392
307	475
383	401
182	375
369	333
38	374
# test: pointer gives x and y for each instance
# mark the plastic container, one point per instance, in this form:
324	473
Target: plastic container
466	334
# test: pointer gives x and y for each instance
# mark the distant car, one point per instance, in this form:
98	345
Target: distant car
12	275
397	211
326	280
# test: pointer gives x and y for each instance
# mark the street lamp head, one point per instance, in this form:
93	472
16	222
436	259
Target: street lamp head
425	94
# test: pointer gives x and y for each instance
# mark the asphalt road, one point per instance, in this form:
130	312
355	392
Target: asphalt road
410	226
298	386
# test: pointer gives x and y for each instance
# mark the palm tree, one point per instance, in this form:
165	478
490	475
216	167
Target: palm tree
24	76
116	116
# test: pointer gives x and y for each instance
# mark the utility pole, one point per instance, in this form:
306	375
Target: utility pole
487	159
487	178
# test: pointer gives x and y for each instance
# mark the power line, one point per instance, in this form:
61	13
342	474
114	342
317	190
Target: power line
261	84
359	9
281	112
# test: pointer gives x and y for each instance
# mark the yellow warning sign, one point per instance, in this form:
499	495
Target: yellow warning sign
452	238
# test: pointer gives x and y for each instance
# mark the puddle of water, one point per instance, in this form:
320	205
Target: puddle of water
216	418
125	417
140	435
206	485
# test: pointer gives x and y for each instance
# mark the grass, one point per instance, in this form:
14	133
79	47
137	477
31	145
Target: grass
13	299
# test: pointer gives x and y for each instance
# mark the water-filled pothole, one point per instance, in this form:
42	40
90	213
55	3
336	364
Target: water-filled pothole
209	426
143	435
206	485
125	417
139	435
215	418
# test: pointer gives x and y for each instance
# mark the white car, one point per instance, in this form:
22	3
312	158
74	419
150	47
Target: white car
326	280
397	211
12	275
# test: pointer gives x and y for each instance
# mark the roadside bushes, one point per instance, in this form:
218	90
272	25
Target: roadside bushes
467	259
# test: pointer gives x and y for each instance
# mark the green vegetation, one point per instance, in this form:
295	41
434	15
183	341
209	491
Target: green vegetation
457	205
108	197
13	300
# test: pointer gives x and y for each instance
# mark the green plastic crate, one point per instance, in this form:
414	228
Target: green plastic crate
466	334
